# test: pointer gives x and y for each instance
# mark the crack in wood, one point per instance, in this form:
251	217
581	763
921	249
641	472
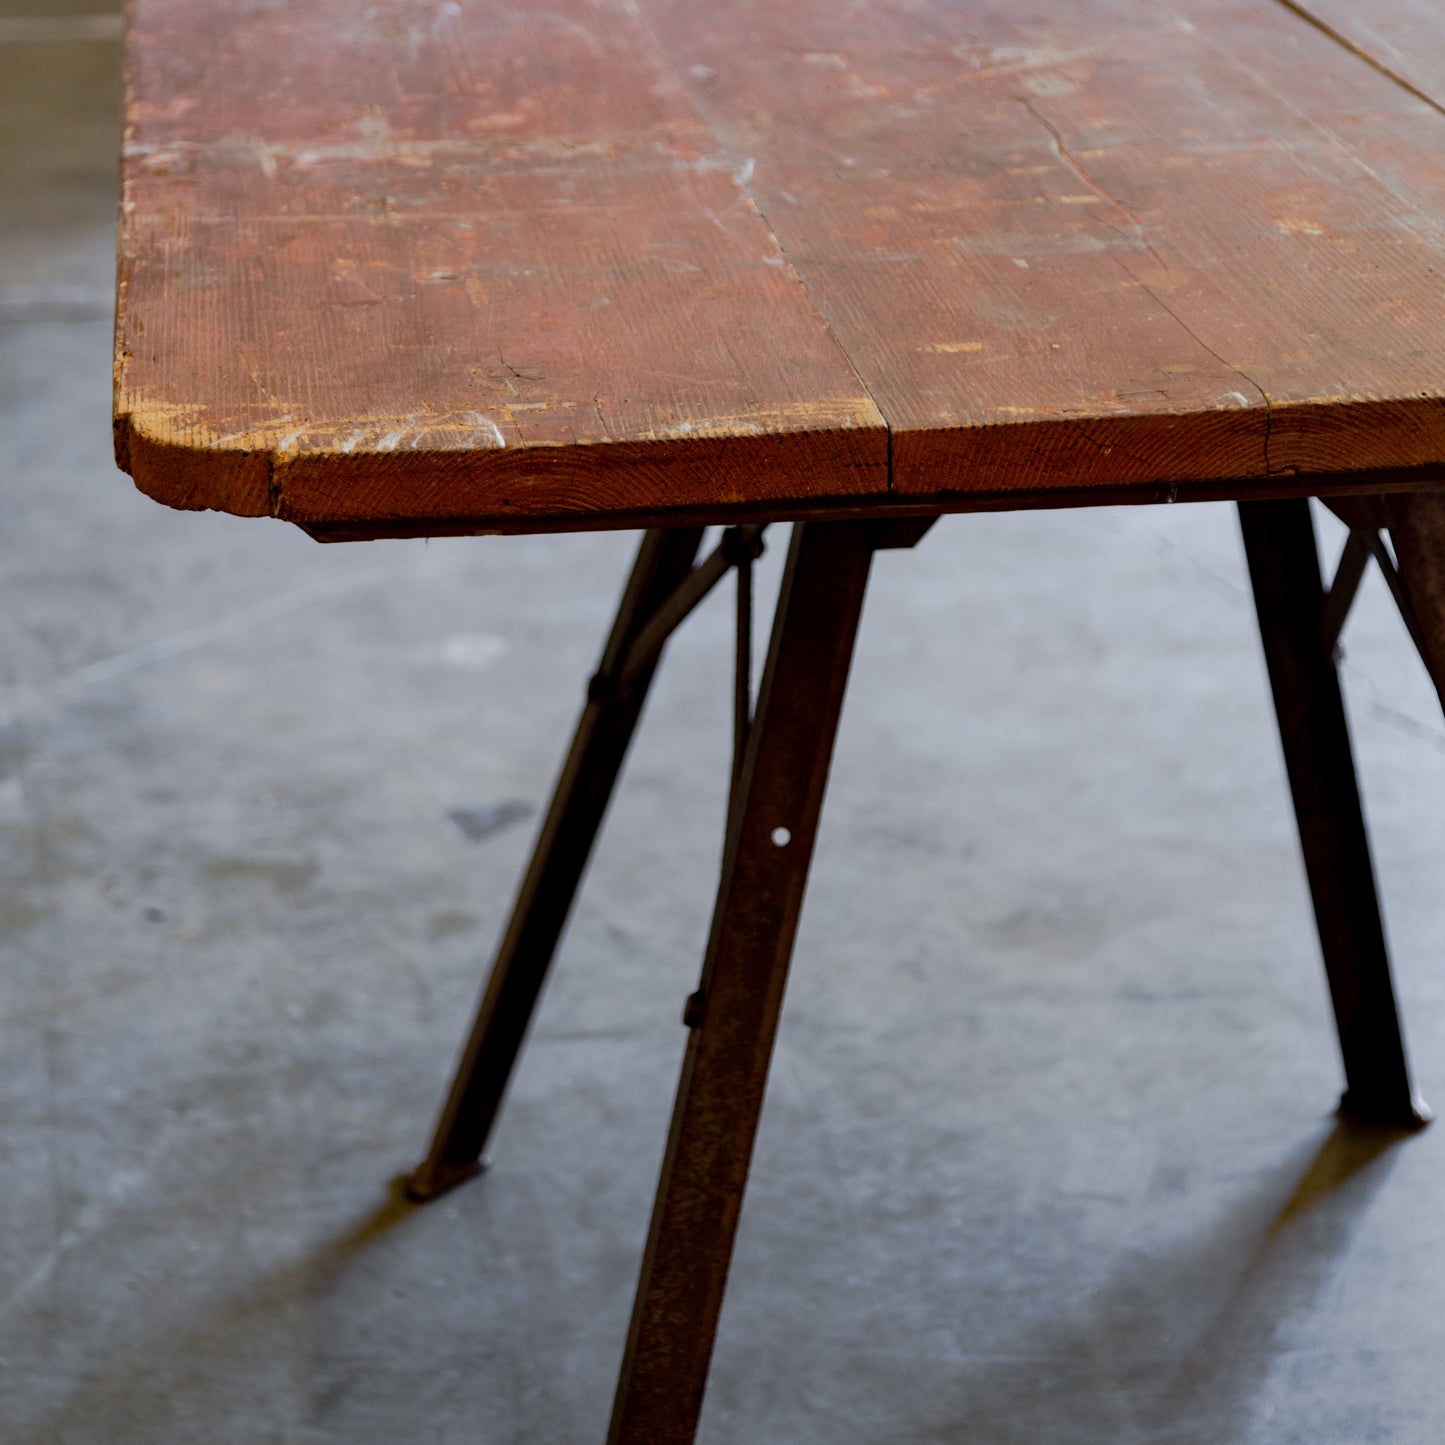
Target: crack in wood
1065	156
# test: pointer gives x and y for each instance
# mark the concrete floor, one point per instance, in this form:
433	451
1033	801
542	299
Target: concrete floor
1049	1154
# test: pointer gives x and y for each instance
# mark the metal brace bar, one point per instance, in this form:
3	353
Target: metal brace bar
678	606
1381	554
1341	595
1364	543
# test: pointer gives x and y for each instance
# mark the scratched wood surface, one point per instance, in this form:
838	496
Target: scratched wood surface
441	265
1092	242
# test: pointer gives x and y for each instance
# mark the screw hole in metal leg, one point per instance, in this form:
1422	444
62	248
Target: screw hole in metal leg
781	837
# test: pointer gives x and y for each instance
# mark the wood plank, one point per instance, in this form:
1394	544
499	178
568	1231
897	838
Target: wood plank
384	267
1081	246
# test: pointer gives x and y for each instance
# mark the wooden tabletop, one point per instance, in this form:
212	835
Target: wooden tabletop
453	265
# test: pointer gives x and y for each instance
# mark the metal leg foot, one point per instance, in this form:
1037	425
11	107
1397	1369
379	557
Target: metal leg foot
1416	1115
430	1180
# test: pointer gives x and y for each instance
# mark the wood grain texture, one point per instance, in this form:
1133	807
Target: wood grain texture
421	266
1073	245
393	264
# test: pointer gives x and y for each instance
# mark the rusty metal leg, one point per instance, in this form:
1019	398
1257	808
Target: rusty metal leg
579	802
1288	593
734	1014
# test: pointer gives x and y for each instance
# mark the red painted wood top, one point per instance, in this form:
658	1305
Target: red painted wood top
445	265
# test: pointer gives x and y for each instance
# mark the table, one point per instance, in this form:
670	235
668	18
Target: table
442	266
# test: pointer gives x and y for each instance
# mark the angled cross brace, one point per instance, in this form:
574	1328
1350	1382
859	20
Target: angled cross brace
1363	545
1296	629
1340	595
1415	574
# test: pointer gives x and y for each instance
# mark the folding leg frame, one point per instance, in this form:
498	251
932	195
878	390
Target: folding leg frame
784	748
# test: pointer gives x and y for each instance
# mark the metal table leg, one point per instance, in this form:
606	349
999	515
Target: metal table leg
1289	597
539	915
734	1014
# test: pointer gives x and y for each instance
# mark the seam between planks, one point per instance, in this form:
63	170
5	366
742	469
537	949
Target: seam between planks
1141	237
1427	221
1295	8
741	182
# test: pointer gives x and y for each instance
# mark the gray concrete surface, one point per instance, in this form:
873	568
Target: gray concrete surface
1049	1155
